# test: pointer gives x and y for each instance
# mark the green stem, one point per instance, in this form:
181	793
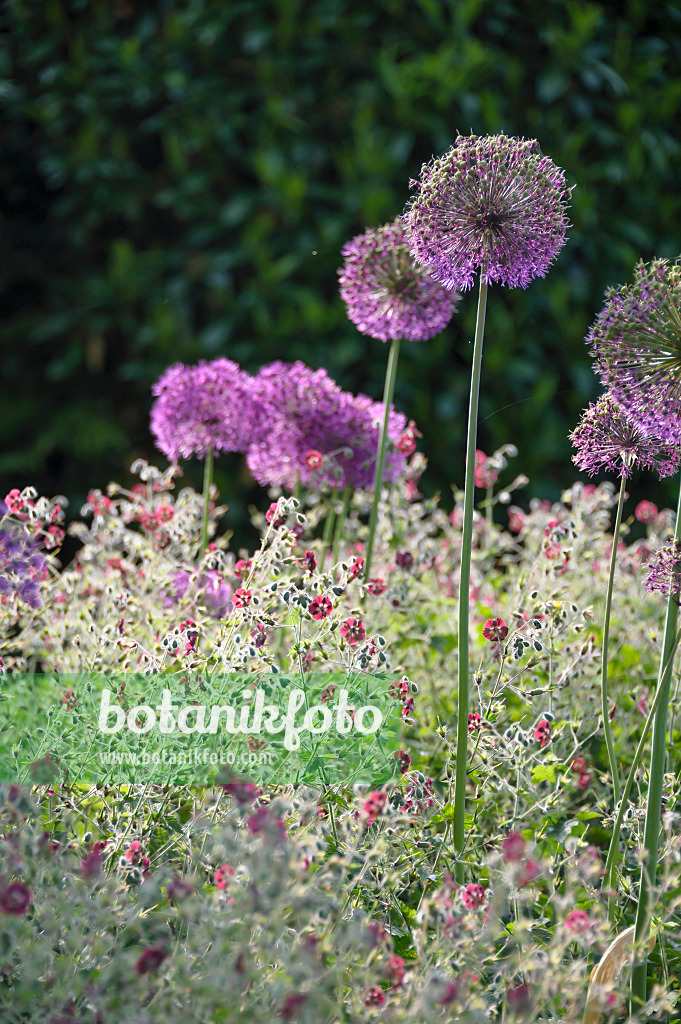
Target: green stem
613	850
328	532
388	392
604	659
340	522
207	481
464	587
651	835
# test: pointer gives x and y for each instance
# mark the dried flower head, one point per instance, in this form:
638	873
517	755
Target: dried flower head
607	438
305	412
201	408
491	204
388	295
636	342
664	571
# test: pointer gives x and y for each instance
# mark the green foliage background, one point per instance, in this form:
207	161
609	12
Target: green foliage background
178	179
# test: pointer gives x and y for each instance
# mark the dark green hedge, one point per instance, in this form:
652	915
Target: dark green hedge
177	180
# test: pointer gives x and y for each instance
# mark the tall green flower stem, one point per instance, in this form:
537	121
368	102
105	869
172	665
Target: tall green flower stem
613	849
388	392
651	835
207	481
328	531
464	587
340	523
604	658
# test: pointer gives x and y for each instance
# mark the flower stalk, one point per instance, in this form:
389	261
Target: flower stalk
651	836
607	731
464	586
388	392
207	483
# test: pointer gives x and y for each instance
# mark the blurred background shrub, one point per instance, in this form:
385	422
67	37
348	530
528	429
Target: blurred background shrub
178	178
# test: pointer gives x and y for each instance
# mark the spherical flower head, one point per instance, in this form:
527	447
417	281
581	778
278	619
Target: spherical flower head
608	438
664	571
386	293
491	204
636	342
307	412
208	407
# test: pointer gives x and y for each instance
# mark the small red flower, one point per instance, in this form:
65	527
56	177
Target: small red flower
313	459
292	1003
91	865
474	721
375	585
578	765
151	959
223	876
356	568
404	559
242	791
407	445
403	760
133	852
542	732
578	921
514	847
375	996
15	898
320	607
353	631
374	805
485	476
473	895
241	598
495	630
309	561
242	567
396	970
646	512
584	780
272	517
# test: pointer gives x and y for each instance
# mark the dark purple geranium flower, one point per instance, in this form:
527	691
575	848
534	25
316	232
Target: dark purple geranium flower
636	342
306	411
491	204
151	959
201	408
388	295
15	898
607	438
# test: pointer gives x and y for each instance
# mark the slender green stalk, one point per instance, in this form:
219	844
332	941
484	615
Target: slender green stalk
604	659
388	392
613	849
328	532
464	587
651	835
207	481
340	522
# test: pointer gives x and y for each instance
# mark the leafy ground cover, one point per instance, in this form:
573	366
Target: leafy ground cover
157	903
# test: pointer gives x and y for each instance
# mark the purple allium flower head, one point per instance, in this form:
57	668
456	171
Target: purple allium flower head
388	295
197	408
492	204
664	571
636	342
607	438
308	414
22	565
